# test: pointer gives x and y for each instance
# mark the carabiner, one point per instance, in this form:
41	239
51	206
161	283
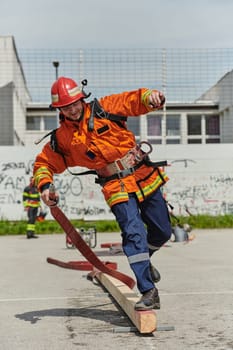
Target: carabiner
147	144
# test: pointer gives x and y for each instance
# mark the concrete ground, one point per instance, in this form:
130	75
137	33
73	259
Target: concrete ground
44	306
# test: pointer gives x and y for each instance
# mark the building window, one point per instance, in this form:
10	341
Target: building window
41	122
213	140
154	128
212	129
194	141
203	129
194	124
133	124
173	125
172	141
50	123
33	123
172	129
212	125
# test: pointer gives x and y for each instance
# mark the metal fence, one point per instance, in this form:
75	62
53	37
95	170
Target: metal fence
183	74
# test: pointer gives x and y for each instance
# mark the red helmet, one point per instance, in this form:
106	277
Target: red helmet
64	92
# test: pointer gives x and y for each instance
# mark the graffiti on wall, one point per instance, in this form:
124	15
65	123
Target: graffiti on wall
198	186
80	197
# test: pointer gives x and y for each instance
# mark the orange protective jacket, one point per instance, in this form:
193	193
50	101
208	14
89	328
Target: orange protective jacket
105	144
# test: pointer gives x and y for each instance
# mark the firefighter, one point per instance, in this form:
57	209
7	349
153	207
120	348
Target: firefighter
95	135
31	203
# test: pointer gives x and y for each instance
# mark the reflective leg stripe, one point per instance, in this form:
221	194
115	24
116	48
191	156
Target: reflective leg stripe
152	247
138	258
118	198
147	190
30	227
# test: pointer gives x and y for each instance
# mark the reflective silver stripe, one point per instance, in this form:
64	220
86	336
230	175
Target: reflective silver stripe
138	257
152	247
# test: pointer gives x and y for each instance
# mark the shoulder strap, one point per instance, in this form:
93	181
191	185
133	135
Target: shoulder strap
55	148
53	141
99	112
43	137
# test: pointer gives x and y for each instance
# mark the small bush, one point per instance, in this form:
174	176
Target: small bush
51	226
206	221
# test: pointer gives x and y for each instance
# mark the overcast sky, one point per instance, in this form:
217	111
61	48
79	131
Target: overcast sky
55	24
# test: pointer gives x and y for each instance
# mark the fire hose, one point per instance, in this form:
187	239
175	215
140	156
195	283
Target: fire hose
81	245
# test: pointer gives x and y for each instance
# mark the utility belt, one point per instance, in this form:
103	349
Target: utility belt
128	164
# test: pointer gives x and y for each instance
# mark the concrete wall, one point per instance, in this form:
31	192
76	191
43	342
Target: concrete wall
201	179
80	197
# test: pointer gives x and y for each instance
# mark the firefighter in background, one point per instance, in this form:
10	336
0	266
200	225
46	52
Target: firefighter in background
95	135
31	203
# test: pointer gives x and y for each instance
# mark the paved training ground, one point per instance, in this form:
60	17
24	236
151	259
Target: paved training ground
45	307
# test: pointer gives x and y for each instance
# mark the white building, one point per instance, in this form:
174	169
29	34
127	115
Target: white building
196	138
14	95
207	120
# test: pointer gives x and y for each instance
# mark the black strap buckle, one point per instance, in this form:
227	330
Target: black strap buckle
125	173
102	180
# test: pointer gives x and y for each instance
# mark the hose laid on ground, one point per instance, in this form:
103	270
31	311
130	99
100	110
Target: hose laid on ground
84	249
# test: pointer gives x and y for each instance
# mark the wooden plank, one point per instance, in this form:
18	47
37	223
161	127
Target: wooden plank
145	321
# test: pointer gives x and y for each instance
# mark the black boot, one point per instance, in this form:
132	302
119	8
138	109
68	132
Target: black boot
155	275
34	236
149	300
31	234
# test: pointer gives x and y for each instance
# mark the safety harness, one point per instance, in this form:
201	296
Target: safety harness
99	112
118	169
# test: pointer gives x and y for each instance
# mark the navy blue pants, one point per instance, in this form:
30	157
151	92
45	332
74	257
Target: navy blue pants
145	228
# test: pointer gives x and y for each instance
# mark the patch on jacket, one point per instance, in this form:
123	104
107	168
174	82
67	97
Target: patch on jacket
90	154
102	129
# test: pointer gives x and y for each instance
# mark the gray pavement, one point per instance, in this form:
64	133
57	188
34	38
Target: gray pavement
46	307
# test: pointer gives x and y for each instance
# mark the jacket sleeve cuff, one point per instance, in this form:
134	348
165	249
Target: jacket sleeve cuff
45	187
